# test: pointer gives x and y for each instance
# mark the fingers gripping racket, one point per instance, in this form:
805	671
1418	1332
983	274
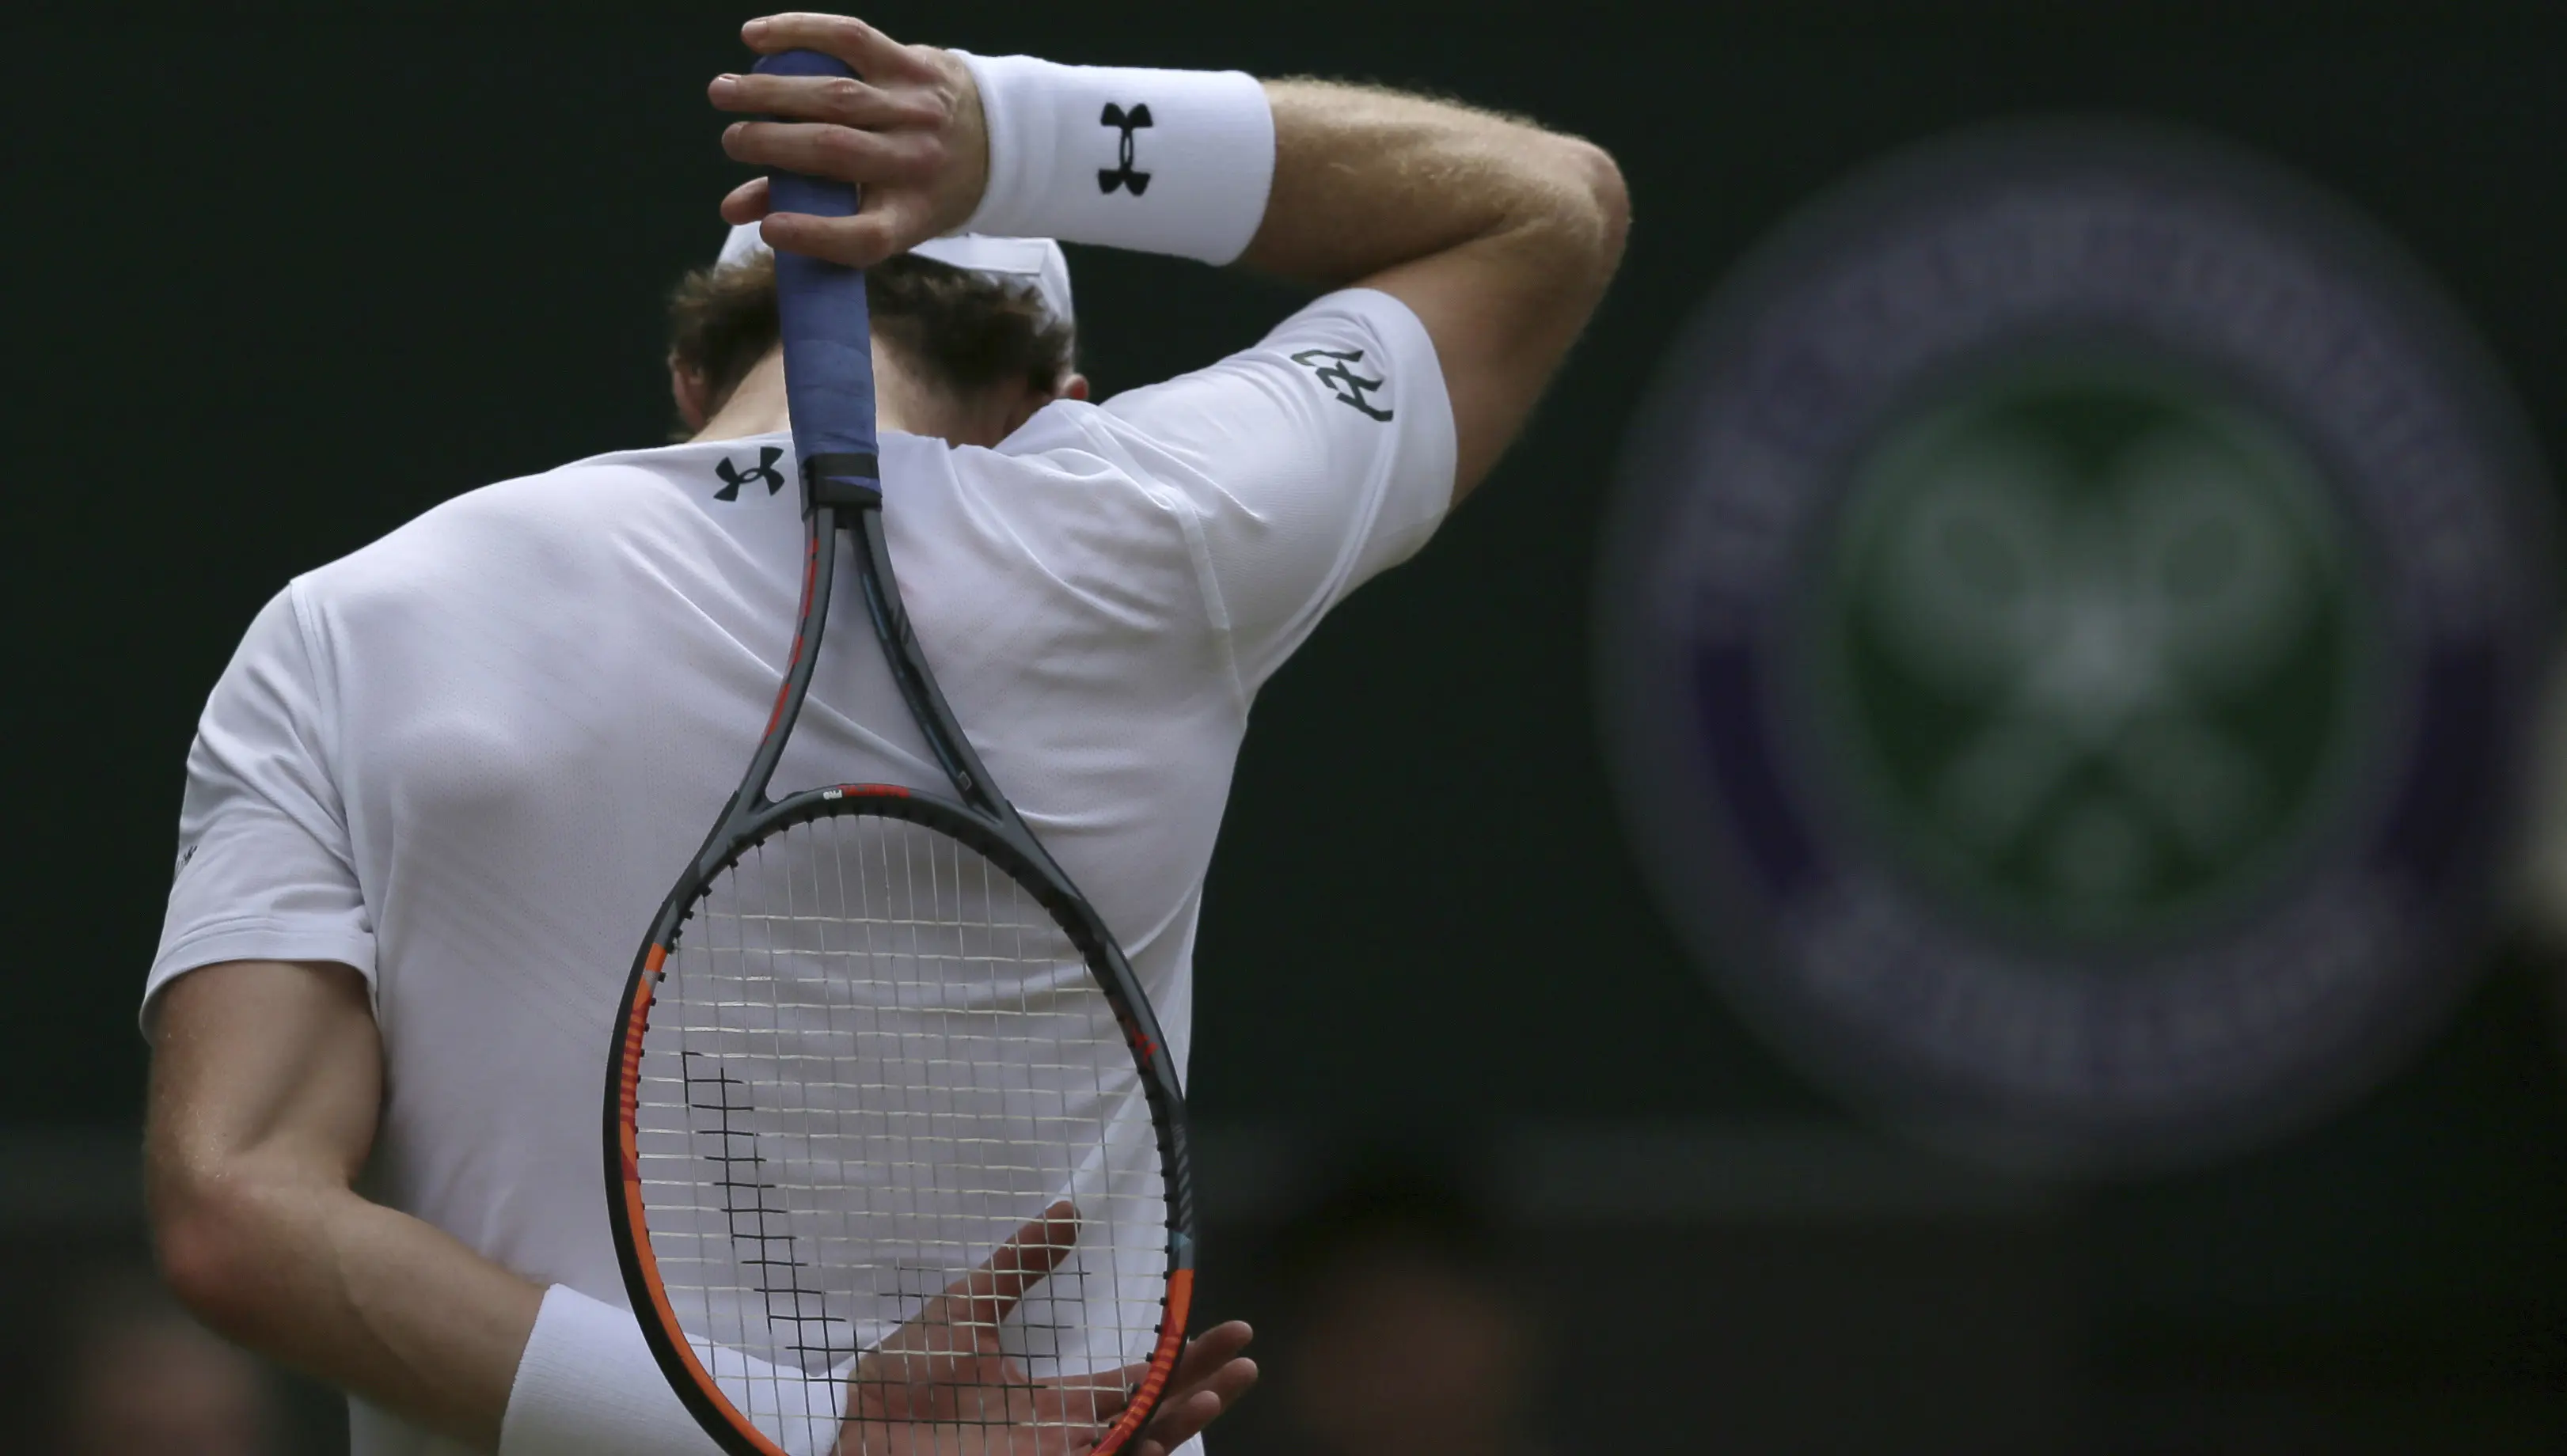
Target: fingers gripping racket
895	1151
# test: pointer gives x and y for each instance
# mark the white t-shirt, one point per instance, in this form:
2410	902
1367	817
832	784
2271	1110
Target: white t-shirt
469	759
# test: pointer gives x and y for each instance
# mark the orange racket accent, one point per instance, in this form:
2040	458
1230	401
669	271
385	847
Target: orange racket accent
628	1080
1163	1365
634	1029
649	1267
811	573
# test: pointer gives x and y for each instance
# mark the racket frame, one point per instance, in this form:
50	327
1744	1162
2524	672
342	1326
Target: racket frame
842	495
983	822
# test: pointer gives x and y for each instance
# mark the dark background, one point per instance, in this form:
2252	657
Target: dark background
281	276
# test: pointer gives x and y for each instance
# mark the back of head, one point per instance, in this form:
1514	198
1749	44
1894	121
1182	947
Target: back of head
958	332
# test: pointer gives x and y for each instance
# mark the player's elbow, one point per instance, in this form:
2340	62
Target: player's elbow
1607	199
201	1255
1591	212
210	1237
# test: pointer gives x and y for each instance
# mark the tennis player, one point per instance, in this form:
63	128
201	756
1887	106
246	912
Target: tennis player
431	803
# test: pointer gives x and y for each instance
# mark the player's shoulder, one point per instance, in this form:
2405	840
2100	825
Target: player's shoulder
1063	496
1367	312
525	528
1341	384
588	498
1068	459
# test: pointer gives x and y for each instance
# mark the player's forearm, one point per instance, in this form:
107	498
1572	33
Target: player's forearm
351	1292
1320	182
1368	179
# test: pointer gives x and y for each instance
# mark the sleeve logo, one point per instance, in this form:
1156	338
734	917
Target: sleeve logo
1349	387
733	477
1121	174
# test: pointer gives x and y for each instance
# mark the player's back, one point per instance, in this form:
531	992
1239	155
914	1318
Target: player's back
459	759
537	689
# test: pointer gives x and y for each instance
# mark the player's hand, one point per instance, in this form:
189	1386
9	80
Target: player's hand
909	133
1210	1377
941	1384
941	1380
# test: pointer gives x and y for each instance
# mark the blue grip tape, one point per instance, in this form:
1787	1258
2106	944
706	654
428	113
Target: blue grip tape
827	331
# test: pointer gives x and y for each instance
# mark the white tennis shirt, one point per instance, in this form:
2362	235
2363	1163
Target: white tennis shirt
469	759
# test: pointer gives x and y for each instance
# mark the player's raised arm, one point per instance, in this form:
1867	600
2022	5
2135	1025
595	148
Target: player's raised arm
1498	234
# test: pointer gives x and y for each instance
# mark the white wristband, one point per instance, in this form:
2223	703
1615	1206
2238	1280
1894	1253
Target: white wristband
1159	161
588	1383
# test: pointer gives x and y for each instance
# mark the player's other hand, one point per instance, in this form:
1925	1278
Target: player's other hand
941	1386
1209	1379
909	133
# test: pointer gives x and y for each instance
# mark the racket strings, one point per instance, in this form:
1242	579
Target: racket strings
874	1059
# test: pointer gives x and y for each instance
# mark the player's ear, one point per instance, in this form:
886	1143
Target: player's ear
1073	387
687	389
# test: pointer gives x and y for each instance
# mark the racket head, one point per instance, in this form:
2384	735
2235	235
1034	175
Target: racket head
871	1051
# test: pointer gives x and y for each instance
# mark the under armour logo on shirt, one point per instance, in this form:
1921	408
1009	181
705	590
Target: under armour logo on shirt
1349	387
733	478
1122	175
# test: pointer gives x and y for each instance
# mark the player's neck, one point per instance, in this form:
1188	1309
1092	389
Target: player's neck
757	407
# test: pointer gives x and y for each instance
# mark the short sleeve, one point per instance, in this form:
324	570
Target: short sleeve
1307	463
265	870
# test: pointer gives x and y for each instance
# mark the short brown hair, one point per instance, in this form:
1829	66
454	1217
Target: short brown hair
965	332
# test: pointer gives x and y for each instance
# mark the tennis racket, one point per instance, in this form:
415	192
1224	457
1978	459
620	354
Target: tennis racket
895	1153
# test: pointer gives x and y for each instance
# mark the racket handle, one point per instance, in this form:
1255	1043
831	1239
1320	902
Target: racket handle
827	332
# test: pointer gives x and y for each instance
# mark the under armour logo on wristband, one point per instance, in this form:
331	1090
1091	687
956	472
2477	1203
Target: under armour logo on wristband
1345	384
733	478
1122	175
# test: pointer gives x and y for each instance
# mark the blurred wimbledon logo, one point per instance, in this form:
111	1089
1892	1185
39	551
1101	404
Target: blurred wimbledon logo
2063	629
2089	640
